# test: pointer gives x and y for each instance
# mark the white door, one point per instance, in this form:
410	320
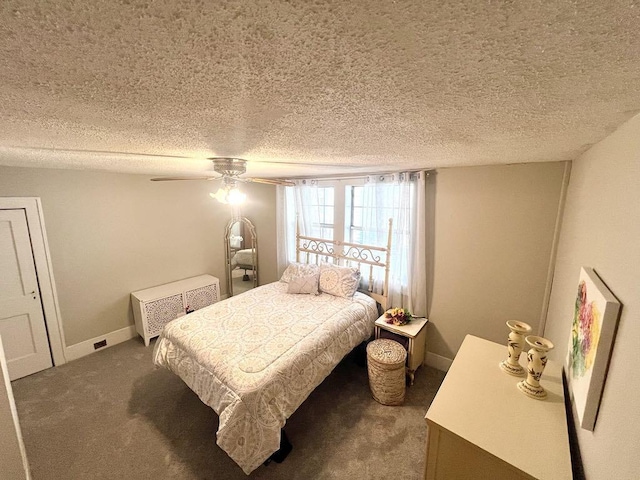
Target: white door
22	324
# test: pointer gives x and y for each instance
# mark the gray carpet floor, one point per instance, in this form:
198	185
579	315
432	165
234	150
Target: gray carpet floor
113	415
240	285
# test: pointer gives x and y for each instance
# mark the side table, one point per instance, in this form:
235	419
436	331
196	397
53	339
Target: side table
411	336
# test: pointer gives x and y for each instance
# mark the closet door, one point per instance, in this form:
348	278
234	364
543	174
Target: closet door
22	324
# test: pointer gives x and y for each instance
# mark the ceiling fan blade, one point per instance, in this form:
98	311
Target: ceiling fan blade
171	179
237	160
66	151
194	156
270	181
230	170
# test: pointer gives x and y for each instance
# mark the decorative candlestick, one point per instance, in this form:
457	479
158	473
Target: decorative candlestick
537	357
515	343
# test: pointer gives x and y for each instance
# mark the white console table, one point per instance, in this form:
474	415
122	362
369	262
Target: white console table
481	426
154	307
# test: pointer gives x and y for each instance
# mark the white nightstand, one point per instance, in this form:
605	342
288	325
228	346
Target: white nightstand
411	336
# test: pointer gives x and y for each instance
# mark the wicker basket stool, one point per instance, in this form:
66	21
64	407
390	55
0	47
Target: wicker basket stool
385	362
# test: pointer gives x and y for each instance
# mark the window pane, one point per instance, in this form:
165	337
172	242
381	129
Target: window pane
328	215
328	196
357	196
355	236
347	198
357	217
327	232
321	204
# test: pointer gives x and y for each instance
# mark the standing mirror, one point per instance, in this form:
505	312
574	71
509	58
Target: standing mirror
241	252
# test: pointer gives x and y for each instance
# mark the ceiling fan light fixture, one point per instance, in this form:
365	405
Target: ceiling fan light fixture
229	196
220	195
235	197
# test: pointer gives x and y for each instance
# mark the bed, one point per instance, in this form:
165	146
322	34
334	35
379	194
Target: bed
254	358
243	259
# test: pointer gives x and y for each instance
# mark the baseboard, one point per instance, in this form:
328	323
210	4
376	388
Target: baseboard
85	348
438	361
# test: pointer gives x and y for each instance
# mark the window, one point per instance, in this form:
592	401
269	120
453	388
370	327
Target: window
323	203
358	211
354	207
345	210
363	206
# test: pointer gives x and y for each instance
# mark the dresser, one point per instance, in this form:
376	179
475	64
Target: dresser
154	307
481	426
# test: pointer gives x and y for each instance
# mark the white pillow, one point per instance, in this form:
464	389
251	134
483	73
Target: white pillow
307	284
299	270
339	281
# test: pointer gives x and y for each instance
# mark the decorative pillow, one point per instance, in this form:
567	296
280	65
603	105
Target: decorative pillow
307	284
339	281
299	270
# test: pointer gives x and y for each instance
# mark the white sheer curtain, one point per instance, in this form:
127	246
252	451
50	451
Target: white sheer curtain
300	203
400	196
308	202
285	228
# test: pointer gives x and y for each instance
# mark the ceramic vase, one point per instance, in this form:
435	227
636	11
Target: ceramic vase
515	344
537	360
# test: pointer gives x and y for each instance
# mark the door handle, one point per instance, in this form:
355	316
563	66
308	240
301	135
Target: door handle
34	294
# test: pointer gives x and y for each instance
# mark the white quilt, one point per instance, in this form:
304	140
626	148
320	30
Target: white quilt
255	357
242	257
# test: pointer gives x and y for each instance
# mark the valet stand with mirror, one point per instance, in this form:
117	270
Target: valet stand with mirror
241	255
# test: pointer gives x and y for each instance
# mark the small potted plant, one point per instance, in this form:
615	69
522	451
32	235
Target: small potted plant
397	316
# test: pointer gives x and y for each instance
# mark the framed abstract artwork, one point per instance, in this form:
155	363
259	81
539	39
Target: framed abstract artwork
595	318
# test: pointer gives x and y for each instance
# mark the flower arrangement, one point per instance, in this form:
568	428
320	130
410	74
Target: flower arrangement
397	316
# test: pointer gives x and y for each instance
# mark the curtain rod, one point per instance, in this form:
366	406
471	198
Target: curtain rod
348	176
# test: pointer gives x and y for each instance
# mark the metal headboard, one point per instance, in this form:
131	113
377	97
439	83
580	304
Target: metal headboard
315	250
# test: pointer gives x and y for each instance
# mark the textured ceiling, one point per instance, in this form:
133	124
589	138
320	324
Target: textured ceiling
369	84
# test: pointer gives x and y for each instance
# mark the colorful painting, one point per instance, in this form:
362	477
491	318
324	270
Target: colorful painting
593	329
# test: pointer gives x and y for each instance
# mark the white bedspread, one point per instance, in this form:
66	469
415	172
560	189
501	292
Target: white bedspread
242	257
255	357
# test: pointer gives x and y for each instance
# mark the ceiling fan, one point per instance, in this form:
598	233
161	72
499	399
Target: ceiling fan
230	170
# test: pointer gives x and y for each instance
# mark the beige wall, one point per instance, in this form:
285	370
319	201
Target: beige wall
260	208
493	231
601	229
111	234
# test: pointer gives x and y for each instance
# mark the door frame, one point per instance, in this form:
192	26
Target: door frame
42	259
